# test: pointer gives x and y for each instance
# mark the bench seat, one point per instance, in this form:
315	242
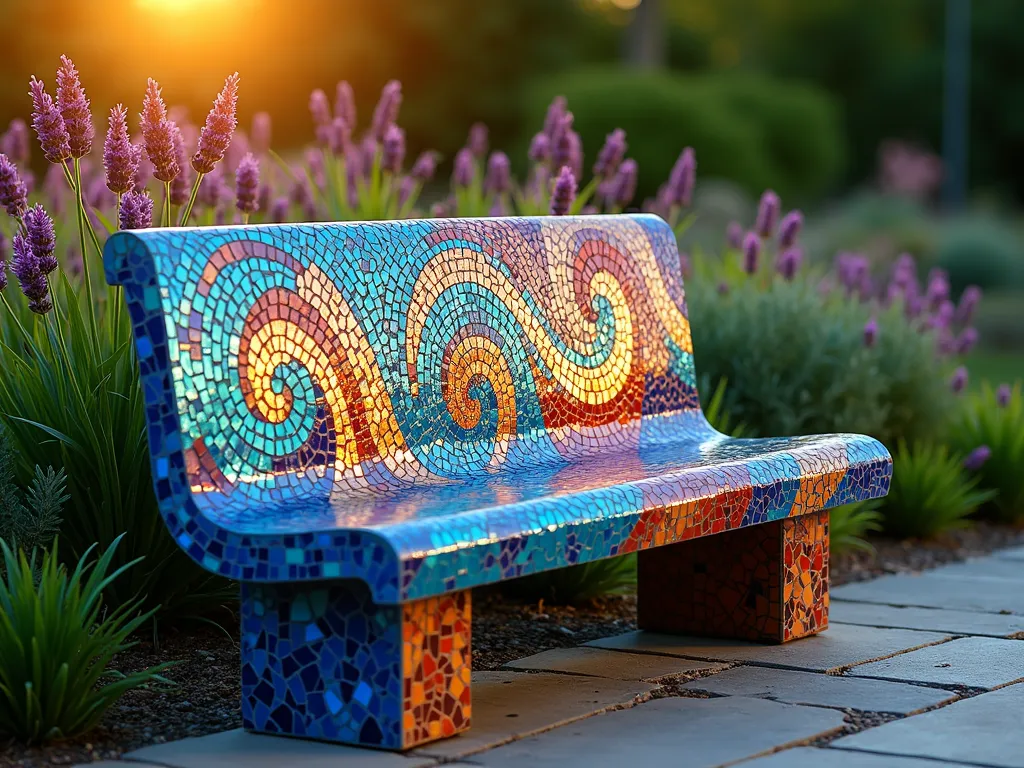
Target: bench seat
361	422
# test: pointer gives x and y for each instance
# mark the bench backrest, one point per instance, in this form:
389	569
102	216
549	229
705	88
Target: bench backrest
348	357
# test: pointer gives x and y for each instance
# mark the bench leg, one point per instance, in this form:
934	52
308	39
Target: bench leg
767	583
322	661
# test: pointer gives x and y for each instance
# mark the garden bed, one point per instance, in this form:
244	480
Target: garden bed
206	692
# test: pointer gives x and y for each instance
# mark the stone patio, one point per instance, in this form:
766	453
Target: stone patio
917	671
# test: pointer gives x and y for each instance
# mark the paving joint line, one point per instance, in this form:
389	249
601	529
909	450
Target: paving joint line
942	760
842	669
1002	612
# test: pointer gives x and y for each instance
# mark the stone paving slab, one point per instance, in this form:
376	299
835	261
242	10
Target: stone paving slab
934	619
984	730
697	733
930	591
978	662
820	690
813	757
841	646
598	662
983	568
508	705
1017	553
251	750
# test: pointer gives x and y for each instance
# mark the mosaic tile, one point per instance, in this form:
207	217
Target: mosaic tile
429	406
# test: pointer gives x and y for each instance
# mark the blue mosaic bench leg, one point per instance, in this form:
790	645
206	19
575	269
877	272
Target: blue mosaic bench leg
322	661
766	583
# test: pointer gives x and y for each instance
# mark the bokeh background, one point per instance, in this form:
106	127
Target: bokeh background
836	104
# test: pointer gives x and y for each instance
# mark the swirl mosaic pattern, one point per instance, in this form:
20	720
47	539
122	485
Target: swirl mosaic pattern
432	405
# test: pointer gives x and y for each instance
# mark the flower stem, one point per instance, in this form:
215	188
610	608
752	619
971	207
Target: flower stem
118	214
86	274
191	200
166	218
245	218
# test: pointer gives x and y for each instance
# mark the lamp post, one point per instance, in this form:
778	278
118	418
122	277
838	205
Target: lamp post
956	103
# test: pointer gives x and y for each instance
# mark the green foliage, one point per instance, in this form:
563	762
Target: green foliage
755	130
70	397
714	409
983	252
849	524
36	520
797	364
57	642
567	586
1000	321
931	492
982	421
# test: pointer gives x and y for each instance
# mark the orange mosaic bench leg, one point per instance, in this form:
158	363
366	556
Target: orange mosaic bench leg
766	583
321	660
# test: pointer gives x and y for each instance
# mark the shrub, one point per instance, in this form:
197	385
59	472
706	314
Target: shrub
996	420
754	130
568	586
849	524
34	520
57	643
1000	322
797	362
931	492
981	251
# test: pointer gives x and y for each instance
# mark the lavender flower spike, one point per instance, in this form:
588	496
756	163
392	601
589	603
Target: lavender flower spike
477	142
15	142
751	252
623	186
425	167
767	213
387	108
870	332
734	235
247	184
26	268
959	380
563	194
968	303
540	148
180	184
279	210
136	211
789	229
392	149
976	459
3	261
13	192
261	132
556	111
220	126
41	238
120	156
320	111
158	133
462	174
562	144
683	178
611	154
345	104
499	174
789	262
74	108
49	124
1003	395
966	341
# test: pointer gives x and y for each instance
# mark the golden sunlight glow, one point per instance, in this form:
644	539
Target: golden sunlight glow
181	7
626	5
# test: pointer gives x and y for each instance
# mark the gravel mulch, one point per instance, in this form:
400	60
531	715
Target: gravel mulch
205	696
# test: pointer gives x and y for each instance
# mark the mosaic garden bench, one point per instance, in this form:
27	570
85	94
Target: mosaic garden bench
361	422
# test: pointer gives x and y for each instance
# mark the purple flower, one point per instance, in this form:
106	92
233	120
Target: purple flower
751	252
120	156
1003	395
497	208
562	143
611	154
870	332
682	179
41	238
563	194
393	149
425	167
158	133
852	268
768	213
540	148
966	341
734	235
339	136
904	272
943	316
406	188
938	288
49	124
320	111
14	143
181	185
477	142
137	209
219	128
789	262
914	306
789	229
247	184
386	111
462	174
723	288
279	210
498	180
31	278
345	104
958	382
261	132
212	189
968	304
976	459
442	209
3	261
13	193
74	108
623	185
